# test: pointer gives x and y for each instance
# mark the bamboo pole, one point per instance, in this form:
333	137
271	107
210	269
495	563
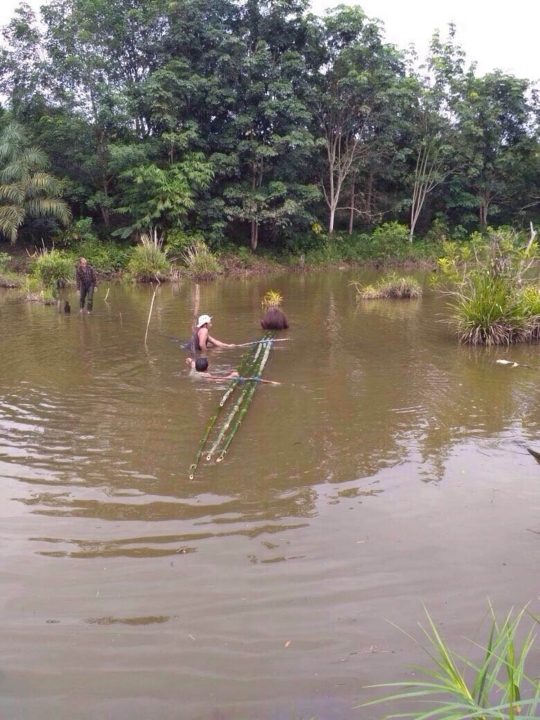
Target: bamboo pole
150	314
243	363
235	407
245	405
256	342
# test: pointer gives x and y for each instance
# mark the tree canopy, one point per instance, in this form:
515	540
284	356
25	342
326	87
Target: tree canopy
252	122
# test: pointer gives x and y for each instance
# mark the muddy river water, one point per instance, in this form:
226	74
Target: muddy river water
389	470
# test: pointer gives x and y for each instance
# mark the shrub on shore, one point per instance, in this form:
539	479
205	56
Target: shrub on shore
200	262
53	268
148	260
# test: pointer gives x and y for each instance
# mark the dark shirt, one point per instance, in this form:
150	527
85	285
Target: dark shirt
85	276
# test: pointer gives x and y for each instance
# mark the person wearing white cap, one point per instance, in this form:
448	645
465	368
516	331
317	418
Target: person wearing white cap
202	338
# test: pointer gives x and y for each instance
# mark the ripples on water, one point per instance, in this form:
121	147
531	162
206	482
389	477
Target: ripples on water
97	433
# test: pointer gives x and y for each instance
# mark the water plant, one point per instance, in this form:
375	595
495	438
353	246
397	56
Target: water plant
496	684
487	283
391	286
201	263
149	260
272	298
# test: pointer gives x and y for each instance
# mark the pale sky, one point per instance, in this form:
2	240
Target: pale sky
495	34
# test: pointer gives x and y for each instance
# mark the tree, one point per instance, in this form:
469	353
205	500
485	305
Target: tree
355	88
498	142
26	189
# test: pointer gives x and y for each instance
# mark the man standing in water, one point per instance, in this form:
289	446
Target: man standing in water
85	277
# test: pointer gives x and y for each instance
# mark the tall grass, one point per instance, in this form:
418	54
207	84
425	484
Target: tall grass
391	286
492	301
149	260
200	262
496	684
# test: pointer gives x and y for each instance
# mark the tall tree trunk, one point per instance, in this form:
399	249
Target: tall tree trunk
369	199
254	234
483	210
331	220
351	216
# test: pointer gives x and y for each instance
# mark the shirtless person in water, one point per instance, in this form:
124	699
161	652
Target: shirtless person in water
202	338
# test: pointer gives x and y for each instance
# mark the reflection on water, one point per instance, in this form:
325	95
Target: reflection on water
384	438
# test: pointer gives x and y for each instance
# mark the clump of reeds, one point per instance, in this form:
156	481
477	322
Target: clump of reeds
272	298
493	300
495	684
487	312
149	260
390	287
200	262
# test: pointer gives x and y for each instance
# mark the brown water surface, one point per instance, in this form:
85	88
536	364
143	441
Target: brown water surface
388	470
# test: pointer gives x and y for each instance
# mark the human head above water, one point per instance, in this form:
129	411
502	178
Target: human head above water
274	319
204	320
201	364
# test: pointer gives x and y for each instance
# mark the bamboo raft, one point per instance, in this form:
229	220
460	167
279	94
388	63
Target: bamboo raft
237	398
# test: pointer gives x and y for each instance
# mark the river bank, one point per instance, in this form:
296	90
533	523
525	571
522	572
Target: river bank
18	264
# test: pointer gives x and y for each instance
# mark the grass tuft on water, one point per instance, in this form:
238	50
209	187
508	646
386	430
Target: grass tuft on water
391	287
495	684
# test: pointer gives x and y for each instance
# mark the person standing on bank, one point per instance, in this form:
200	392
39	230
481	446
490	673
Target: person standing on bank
85	277
202	338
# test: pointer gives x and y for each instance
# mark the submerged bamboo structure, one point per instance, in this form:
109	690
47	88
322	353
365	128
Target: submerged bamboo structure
243	388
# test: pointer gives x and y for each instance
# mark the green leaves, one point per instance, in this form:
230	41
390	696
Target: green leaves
26	190
495	686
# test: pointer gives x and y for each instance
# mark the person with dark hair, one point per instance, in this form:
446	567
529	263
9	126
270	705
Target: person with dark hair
202	338
274	319
85	277
199	369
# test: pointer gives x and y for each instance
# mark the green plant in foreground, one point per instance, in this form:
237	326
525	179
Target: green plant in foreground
494	686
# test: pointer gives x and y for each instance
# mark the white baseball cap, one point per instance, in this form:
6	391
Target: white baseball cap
203	319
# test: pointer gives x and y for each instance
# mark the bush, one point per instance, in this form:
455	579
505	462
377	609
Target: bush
105	257
53	268
200	262
493	301
149	261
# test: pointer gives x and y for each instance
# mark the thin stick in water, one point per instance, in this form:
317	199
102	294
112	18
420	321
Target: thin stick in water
150	315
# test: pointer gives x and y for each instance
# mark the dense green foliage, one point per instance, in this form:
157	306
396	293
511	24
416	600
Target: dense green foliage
493	297
254	122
